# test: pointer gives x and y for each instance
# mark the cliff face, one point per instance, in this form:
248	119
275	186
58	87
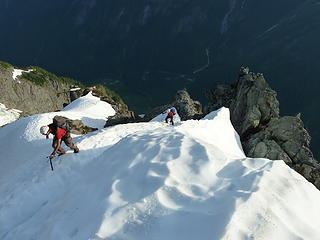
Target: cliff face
32	97
255	115
38	91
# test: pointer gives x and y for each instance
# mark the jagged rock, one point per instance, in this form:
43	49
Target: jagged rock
222	95
251	101
186	107
120	119
75	92
79	128
311	171
291	139
254	110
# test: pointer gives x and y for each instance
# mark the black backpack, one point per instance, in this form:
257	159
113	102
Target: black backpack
62	122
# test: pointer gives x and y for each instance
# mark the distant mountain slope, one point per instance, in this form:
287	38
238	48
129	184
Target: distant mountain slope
148	49
148	181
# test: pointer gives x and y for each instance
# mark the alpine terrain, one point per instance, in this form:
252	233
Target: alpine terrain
147	181
147	50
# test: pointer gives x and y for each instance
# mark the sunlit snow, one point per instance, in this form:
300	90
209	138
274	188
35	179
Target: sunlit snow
148	181
8	115
18	72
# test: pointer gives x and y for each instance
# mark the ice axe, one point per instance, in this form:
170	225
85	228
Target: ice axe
50	163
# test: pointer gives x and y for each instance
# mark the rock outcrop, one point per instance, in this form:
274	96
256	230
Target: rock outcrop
30	95
38	91
251	101
187	108
79	128
255	114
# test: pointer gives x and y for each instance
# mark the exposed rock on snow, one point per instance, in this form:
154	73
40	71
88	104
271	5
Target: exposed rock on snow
252	102
187	108
122	114
255	115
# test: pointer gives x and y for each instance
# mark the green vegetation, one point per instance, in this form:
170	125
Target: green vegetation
41	77
102	90
5	65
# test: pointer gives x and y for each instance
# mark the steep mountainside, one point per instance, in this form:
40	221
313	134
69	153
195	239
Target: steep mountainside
148	49
148	181
34	90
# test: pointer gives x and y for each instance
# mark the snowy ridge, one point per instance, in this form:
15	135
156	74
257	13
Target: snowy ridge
162	117
8	115
148	181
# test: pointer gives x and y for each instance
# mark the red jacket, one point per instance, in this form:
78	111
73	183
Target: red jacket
171	114
59	133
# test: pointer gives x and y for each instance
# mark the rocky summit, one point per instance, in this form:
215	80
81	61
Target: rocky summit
255	114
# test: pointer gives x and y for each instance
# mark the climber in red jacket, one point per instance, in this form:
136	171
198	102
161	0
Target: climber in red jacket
170	115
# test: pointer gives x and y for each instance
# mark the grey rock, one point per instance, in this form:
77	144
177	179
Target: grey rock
255	114
120	119
41	91
32	98
79	128
254	103
187	108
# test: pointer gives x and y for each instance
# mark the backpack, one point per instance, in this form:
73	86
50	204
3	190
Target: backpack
62	122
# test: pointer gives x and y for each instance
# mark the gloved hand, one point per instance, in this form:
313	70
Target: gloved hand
51	156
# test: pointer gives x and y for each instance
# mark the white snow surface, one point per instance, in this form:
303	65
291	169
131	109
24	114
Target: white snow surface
8	115
162	117
18	72
148	181
90	110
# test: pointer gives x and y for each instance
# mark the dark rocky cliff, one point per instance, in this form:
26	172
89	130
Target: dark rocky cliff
255	114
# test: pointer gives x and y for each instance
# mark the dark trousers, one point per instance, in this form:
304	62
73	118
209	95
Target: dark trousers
68	141
171	119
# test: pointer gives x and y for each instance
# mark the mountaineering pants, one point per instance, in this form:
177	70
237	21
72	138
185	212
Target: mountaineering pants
171	119
68	141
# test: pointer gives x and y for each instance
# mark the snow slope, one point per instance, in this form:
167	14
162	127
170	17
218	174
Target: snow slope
8	115
148	181
162	117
